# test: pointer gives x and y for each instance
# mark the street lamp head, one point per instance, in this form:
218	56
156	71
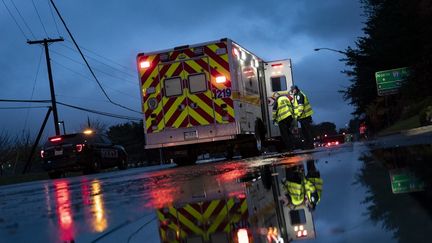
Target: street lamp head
330	49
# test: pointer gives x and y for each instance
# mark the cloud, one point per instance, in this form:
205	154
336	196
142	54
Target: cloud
119	30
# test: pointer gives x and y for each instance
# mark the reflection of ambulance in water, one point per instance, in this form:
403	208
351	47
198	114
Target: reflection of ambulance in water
209	97
242	211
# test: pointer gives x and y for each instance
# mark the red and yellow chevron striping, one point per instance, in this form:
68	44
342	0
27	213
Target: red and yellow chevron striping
211	105
202	219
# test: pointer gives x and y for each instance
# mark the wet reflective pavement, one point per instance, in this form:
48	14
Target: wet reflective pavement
376	192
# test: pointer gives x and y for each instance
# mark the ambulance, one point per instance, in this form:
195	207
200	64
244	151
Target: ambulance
209	97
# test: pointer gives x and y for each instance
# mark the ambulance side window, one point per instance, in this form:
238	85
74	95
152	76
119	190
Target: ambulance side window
197	83
173	87
278	83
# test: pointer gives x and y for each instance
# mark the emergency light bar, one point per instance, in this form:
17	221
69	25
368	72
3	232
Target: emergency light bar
276	65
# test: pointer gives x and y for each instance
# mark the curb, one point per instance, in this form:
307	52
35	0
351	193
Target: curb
413	131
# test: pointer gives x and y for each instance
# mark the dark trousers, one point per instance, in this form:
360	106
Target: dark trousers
285	130
312	171
306	128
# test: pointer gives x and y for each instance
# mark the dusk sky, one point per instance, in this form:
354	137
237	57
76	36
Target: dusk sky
112	33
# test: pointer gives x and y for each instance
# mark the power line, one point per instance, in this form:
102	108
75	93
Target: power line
40	19
86	77
100	112
107	59
104	63
22	107
25	101
16	22
52	15
99	70
74	107
88	65
22	18
34	85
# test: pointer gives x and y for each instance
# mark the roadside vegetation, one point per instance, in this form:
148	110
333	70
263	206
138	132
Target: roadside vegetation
396	34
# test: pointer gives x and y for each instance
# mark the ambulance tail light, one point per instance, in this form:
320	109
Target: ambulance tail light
144	64
242	236
79	147
220	79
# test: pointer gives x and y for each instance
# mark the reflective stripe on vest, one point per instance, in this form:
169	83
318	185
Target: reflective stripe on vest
302	110
312	185
296	192
284	109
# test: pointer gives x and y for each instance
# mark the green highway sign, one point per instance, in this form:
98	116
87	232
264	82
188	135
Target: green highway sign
404	180
389	81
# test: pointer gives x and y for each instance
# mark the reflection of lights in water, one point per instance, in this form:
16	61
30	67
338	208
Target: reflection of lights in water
161	197
64	210
230	176
99	221
85	191
47	198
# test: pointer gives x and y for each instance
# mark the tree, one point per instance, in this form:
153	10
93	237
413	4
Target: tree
324	128
396	35
131	136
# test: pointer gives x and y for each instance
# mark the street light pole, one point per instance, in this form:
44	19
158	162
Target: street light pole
330	49
64	129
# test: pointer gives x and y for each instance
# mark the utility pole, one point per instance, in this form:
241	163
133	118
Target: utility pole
45	42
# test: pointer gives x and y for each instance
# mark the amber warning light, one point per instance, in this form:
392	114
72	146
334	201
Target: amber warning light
220	79
144	64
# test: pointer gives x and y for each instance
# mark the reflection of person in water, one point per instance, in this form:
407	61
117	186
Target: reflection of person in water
313	185
293	185
299	187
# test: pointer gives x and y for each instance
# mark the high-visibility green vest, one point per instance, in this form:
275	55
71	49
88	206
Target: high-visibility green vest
295	191
313	185
302	110
284	109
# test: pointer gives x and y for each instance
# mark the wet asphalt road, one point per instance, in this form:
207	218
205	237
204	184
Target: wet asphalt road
357	203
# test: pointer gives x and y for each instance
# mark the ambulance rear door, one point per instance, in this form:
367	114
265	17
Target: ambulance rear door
278	78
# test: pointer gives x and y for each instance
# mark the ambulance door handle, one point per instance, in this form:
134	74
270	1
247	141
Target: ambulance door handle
181	107
193	105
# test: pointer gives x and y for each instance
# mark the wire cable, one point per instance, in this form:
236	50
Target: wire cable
75	107
22	18
21	107
40	19
130	73
107	59
52	15
88	65
16	22
82	75
25	101
100	112
99	70
34	85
